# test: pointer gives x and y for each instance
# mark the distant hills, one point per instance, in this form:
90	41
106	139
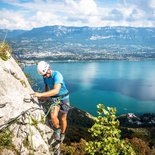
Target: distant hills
82	43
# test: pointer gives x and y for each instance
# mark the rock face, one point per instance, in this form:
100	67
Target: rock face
20	114
133	120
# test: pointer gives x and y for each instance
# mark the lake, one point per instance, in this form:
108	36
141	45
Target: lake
127	85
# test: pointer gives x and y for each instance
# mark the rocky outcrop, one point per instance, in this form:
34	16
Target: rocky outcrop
20	114
78	124
133	120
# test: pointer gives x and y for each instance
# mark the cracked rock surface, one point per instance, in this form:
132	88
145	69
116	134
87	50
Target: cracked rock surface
24	120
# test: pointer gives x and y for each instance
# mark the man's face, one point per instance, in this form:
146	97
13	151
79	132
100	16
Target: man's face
48	74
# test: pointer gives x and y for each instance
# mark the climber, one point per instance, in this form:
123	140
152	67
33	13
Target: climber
56	89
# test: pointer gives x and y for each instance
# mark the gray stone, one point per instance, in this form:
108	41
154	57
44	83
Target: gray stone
19	113
7	152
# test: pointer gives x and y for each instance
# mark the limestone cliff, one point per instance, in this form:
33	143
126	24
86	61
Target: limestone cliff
20	115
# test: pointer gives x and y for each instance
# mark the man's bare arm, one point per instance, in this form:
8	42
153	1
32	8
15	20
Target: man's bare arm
49	93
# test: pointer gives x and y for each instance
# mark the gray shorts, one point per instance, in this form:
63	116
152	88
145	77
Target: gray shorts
64	106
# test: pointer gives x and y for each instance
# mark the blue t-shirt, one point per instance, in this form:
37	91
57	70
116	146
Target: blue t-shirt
56	78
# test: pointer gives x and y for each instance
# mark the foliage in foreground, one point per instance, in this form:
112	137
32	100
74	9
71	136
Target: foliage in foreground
5	138
5	51
140	146
106	135
74	148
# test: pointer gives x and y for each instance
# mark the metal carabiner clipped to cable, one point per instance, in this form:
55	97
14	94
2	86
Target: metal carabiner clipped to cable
29	98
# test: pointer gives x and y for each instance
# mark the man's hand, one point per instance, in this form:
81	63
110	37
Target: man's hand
37	94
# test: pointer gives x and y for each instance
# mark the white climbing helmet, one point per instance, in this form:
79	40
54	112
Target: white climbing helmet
42	67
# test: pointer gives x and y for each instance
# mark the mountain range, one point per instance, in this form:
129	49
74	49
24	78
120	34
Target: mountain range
81	43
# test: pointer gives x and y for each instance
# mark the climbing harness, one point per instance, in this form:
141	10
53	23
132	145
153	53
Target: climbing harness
47	105
61	96
54	102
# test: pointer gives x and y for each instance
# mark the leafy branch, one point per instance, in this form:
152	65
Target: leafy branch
106	135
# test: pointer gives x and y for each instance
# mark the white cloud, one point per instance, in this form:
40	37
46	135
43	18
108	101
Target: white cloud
85	10
84	7
45	18
131	13
152	4
11	19
77	13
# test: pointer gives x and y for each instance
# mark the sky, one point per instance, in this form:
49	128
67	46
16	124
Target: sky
28	14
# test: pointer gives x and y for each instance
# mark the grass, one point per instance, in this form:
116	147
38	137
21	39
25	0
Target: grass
5	138
34	122
6	141
5	51
26	142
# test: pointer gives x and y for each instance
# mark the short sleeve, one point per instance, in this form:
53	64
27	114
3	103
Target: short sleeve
58	78
45	81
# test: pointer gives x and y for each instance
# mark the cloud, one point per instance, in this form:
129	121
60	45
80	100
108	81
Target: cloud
83	7
152	4
31	14
11	19
141	9
84	10
37	13
132	13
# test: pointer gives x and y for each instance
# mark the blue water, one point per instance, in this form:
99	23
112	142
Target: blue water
127	85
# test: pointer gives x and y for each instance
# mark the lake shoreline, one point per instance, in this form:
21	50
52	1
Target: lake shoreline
32	62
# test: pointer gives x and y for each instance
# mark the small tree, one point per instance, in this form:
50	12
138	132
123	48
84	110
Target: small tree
106	135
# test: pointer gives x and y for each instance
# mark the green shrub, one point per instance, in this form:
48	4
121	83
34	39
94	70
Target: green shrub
5	51
6	142
106	135
74	148
5	138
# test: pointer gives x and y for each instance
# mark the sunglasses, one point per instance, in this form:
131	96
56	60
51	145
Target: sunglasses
46	74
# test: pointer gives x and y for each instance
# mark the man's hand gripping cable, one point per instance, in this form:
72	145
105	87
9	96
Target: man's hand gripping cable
42	102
